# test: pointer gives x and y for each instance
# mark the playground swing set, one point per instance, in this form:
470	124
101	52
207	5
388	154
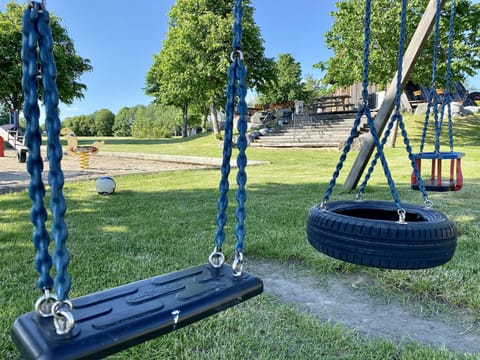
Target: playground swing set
372	233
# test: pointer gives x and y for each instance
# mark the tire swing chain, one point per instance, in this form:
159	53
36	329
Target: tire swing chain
365	111
37	35
236	90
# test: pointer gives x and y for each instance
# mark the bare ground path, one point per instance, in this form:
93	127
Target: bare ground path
338	299
342	300
14	175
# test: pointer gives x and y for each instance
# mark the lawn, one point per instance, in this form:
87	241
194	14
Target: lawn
158	223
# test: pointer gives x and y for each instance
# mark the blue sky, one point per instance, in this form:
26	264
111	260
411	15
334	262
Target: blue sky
120	39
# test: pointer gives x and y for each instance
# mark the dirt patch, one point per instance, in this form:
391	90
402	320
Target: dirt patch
337	300
14	175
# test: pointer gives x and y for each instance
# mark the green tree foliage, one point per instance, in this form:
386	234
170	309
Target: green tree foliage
124	121
156	121
313	88
288	85
70	66
83	125
152	121
104	120
346	40
191	68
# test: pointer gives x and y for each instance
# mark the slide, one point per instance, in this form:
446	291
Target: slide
16	139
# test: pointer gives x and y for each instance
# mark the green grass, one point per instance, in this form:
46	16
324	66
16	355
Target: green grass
163	222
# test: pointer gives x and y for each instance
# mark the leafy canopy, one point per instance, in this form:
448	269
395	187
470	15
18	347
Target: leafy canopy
288	85
192	65
70	65
345	38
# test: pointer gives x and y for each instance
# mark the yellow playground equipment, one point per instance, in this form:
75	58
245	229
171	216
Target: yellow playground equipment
83	151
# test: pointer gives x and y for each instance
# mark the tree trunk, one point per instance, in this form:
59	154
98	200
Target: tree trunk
392	139
185	120
213	113
205	118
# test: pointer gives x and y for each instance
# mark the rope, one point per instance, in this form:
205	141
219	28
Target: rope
236	87
37	30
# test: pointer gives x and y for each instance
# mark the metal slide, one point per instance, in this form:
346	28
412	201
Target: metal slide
16	139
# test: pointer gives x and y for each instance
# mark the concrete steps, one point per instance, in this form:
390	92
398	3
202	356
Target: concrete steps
326	130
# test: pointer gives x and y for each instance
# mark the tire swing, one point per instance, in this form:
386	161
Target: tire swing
379	233
437	181
103	323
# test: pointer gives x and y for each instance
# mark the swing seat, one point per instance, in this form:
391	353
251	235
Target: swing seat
112	320
436	182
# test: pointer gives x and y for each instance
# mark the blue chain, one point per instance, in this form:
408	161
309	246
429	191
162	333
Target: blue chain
241	158
38	214
397	116
447	98
236	86
362	111
54	154
433	96
40	25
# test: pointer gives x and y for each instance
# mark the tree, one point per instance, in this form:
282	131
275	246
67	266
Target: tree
345	67
104	120
288	85
83	125
70	66
156	121
124	121
313	88
191	68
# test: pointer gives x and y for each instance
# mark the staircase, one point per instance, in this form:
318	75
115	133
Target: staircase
323	130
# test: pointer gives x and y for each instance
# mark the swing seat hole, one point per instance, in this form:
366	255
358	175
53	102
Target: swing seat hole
380	214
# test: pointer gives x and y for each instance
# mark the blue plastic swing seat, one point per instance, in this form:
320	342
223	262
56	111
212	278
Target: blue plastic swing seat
437	182
112	320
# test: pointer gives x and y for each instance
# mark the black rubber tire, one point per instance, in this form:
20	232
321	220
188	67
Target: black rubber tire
21	156
367	233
